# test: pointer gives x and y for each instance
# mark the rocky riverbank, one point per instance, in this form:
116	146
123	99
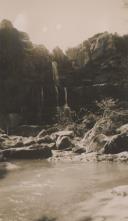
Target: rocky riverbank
59	156
67	143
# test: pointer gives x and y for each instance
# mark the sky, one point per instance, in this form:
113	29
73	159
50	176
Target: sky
65	23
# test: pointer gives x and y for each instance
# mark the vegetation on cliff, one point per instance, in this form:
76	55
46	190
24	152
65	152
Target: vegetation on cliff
95	69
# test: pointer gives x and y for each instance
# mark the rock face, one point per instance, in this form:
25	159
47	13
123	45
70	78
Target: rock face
117	144
45	139
101	69
123	129
94	140
29	141
26	153
11	142
79	150
66	133
15	147
42	133
95	69
63	142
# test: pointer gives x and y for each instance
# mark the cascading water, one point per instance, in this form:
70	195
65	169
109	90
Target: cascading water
42	95
56	80
66	96
65	112
55	72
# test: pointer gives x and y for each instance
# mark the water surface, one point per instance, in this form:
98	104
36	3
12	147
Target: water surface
41	191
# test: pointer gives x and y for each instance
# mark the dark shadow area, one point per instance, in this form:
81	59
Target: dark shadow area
45	218
3	171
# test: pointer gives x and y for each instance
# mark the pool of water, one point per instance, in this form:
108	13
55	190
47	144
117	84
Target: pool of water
42	191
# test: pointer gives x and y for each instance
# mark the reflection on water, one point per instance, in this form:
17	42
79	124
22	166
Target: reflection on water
3	170
46	219
42	191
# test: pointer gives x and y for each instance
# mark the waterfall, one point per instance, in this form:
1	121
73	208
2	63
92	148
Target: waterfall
42	95
55	73
66	96
65	112
56	79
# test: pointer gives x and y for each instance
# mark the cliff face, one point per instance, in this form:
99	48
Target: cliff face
95	69
101	67
26	84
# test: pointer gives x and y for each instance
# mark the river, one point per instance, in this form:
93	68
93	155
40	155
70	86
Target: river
43	191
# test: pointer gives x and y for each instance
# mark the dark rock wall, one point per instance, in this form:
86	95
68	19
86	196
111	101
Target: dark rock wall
95	69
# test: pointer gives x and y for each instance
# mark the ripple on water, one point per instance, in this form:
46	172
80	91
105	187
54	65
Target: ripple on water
65	191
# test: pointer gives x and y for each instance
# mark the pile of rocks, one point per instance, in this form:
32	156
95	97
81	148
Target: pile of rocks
65	142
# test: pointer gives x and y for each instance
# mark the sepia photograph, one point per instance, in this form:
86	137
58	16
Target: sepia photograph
64	110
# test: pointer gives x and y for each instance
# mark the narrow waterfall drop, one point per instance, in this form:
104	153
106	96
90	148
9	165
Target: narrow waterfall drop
65	112
66	96
56	80
55	72
42	95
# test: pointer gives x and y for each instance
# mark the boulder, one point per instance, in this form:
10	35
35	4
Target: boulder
12	142
41	134
63	142
45	139
3	137
79	150
26	153
93	141
123	129
29	141
52	146
98	142
63	133
117	144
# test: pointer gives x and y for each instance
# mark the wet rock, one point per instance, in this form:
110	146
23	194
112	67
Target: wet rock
29	141
10	166
63	142
122	157
120	191
79	150
65	133
42	145
118	143
34	146
3	137
94	142
26	153
42	133
12	142
45	139
52	146
123	129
